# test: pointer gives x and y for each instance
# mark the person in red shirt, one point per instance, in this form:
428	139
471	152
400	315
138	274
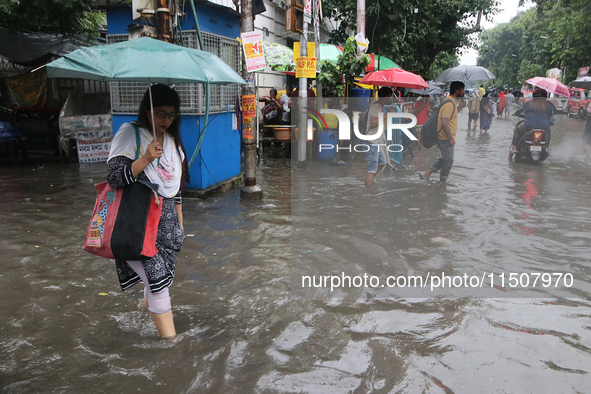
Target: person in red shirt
296	92
421	109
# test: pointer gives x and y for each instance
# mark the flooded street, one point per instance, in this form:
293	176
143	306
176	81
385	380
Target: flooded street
246	323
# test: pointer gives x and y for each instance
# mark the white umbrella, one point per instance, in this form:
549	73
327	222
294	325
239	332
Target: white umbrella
465	73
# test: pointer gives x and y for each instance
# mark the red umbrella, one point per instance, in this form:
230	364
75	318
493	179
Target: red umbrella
394	77
550	85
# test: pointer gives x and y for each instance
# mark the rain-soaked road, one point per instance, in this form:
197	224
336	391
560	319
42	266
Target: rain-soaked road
245	325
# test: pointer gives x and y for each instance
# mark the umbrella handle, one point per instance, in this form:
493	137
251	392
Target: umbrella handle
152	112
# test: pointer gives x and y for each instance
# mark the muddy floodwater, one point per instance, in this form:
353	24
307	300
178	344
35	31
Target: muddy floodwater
248	324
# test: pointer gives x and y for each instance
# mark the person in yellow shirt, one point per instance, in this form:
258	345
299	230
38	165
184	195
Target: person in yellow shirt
448	124
482	91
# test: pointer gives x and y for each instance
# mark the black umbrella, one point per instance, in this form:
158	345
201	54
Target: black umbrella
582	83
433	89
465	73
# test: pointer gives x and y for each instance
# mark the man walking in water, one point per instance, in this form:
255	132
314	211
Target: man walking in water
447	123
473	108
375	158
510	97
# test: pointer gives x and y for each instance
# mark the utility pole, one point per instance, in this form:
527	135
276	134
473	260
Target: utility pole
317	50
163	21
250	191
302	103
360	21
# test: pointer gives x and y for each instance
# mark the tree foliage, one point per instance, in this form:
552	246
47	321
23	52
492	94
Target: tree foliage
413	40
555	34
68	17
347	65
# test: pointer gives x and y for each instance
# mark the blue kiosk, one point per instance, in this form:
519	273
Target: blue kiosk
219	157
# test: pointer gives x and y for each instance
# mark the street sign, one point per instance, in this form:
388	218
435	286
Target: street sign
252	44
308	11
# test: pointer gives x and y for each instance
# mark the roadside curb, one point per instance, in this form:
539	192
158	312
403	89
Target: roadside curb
218	188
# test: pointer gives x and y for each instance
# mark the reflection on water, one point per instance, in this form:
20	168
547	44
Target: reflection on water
243	326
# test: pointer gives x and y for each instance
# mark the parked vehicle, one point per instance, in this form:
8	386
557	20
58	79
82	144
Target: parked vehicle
526	95
560	103
578	103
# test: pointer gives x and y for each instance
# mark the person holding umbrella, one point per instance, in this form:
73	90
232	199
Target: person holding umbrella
161	161
446	140
539	114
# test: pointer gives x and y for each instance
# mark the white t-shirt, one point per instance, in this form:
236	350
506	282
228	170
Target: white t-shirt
377	111
509	98
285	102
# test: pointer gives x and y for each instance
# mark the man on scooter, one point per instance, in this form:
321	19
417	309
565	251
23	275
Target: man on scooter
539	114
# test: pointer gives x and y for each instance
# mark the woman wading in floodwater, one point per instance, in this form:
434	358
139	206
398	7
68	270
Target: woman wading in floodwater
161	161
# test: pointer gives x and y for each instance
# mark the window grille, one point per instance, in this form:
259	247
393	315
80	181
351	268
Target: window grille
126	96
115	38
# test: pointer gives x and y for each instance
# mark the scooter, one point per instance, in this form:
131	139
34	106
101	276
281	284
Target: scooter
533	147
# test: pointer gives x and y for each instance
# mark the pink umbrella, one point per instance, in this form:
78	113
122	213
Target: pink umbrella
394	77
550	85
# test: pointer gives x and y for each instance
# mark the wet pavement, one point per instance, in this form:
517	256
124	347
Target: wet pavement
246	325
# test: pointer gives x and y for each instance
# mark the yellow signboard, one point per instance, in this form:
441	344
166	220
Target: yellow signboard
296	50
31	89
306	67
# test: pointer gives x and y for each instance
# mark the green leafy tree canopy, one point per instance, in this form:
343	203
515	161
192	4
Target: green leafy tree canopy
348	65
414	33
555	34
68	17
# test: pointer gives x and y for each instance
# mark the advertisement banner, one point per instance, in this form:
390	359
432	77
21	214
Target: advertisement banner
362	43
306	67
31	89
583	72
554	73
252	45
94	151
296	50
308	11
248	113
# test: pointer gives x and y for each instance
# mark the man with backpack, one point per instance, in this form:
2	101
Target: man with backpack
375	159
447	124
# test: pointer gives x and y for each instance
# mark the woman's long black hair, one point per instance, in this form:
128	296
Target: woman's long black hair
162	95
539	104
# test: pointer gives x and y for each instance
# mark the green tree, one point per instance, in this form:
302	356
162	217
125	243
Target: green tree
348	65
554	34
68	17
529	70
442	62
413	39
